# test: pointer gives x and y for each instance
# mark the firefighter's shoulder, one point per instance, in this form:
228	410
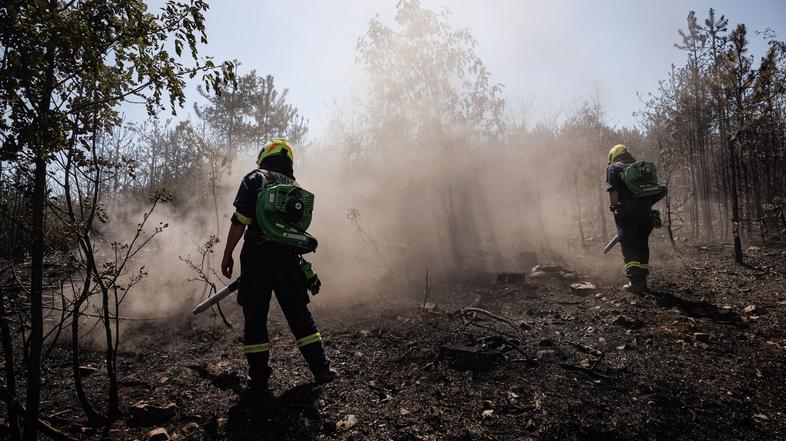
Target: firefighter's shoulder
254	179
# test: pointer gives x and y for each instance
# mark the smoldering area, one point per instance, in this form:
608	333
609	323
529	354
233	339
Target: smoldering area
452	210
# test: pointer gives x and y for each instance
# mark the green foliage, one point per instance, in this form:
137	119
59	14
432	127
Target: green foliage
67	65
250	111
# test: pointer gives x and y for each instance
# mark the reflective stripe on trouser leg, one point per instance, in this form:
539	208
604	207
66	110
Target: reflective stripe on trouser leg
314	352
253	349
635	270
293	299
257	356
635	248
307	340
638	265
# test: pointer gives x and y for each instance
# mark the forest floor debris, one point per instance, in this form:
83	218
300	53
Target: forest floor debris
692	361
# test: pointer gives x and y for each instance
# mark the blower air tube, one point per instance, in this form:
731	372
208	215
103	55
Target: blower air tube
217	297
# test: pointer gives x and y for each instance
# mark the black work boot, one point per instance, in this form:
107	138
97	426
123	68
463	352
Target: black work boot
636	285
325	375
258	375
318	363
256	392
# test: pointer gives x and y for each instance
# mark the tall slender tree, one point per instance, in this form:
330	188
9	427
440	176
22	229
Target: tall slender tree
67	65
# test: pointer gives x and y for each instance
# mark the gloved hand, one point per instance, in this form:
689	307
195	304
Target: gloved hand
655	219
314	285
617	210
312	280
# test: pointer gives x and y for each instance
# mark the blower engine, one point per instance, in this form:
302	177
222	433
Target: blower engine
283	214
641	178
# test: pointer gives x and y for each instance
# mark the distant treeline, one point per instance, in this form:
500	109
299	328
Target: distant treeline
718	125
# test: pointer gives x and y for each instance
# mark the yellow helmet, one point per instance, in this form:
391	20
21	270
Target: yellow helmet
274	146
616	151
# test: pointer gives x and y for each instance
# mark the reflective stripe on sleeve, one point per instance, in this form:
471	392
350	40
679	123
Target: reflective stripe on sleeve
242	218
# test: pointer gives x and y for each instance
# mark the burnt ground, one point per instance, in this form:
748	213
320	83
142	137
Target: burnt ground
702	357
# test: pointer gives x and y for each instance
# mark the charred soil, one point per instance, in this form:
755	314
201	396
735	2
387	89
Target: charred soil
701	357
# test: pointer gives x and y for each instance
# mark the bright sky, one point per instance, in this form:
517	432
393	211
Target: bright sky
550	52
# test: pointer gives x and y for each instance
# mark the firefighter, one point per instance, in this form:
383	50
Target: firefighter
634	218
268	267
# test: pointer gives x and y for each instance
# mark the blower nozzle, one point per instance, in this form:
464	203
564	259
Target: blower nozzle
217	297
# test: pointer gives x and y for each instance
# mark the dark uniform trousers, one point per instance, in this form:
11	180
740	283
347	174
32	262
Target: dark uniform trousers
633	229
265	269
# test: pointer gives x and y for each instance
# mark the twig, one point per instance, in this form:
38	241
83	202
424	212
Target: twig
587	371
465	311
46	428
132	319
690	269
591	351
428	290
223	317
16	277
587	349
597	362
202	276
488	328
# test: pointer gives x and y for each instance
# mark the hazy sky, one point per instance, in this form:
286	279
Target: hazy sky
548	51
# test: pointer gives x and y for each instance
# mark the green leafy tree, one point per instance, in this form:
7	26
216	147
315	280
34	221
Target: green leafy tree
425	75
250	111
66	65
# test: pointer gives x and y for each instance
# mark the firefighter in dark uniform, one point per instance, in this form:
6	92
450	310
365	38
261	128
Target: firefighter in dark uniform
634	218
268	267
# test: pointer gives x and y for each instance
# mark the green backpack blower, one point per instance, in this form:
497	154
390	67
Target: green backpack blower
283	213
641	178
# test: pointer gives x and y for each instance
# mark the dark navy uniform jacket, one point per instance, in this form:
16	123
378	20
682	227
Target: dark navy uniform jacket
246	199
614	178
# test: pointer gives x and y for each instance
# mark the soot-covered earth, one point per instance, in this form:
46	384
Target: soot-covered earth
490	357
